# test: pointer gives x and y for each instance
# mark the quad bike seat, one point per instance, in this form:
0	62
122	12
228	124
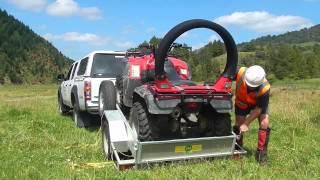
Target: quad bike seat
173	76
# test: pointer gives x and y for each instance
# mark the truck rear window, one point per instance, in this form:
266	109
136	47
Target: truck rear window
107	65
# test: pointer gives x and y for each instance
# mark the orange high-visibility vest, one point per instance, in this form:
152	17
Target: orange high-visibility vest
243	98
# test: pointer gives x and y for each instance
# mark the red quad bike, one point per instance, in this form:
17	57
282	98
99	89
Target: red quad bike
163	105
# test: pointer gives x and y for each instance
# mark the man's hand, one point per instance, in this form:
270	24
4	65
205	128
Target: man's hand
255	113
244	128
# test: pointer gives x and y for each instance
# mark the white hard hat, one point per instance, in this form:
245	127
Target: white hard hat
254	76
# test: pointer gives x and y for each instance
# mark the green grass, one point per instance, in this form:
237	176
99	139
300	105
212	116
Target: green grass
37	143
307	44
311	84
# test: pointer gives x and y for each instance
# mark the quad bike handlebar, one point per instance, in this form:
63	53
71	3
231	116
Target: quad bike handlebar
178	45
166	44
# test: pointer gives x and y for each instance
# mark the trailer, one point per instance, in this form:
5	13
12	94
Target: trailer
126	151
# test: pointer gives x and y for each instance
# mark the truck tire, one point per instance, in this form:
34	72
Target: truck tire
107	97
105	134
107	101
79	117
62	108
140	123
222	124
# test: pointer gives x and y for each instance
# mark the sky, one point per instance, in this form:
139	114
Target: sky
77	27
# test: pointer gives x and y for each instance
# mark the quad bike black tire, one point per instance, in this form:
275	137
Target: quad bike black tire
107	101
107	97
216	124
139	121
222	124
62	108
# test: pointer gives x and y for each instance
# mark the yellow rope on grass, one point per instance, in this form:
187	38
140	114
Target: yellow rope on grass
96	165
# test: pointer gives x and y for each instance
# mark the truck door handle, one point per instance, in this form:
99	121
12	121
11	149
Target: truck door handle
79	78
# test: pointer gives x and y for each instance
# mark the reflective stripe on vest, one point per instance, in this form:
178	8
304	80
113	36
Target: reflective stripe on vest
240	77
243	98
264	88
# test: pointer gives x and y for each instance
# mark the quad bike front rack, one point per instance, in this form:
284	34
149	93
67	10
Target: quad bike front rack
127	151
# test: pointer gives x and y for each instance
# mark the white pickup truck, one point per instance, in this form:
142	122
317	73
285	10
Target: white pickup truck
79	90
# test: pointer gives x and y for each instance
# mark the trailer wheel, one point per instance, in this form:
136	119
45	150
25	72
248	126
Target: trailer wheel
105	133
222	124
139	122
107	97
63	109
107	101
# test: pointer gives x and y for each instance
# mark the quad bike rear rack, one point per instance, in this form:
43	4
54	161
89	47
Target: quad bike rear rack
127	151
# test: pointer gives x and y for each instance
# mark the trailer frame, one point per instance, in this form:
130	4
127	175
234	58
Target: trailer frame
127	151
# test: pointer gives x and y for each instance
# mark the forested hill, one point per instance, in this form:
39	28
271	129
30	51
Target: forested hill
293	55
305	35
25	57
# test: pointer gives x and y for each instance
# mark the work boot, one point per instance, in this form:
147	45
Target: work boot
239	139
262	149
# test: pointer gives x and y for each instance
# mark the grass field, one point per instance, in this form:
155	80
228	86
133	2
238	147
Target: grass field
37	143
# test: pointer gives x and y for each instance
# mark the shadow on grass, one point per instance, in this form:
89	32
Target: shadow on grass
316	120
92	121
92	128
250	152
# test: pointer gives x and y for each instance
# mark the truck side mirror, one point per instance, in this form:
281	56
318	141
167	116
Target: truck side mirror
60	77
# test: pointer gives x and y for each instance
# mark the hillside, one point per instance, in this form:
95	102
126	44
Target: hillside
311	34
25	57
303	38
292	55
